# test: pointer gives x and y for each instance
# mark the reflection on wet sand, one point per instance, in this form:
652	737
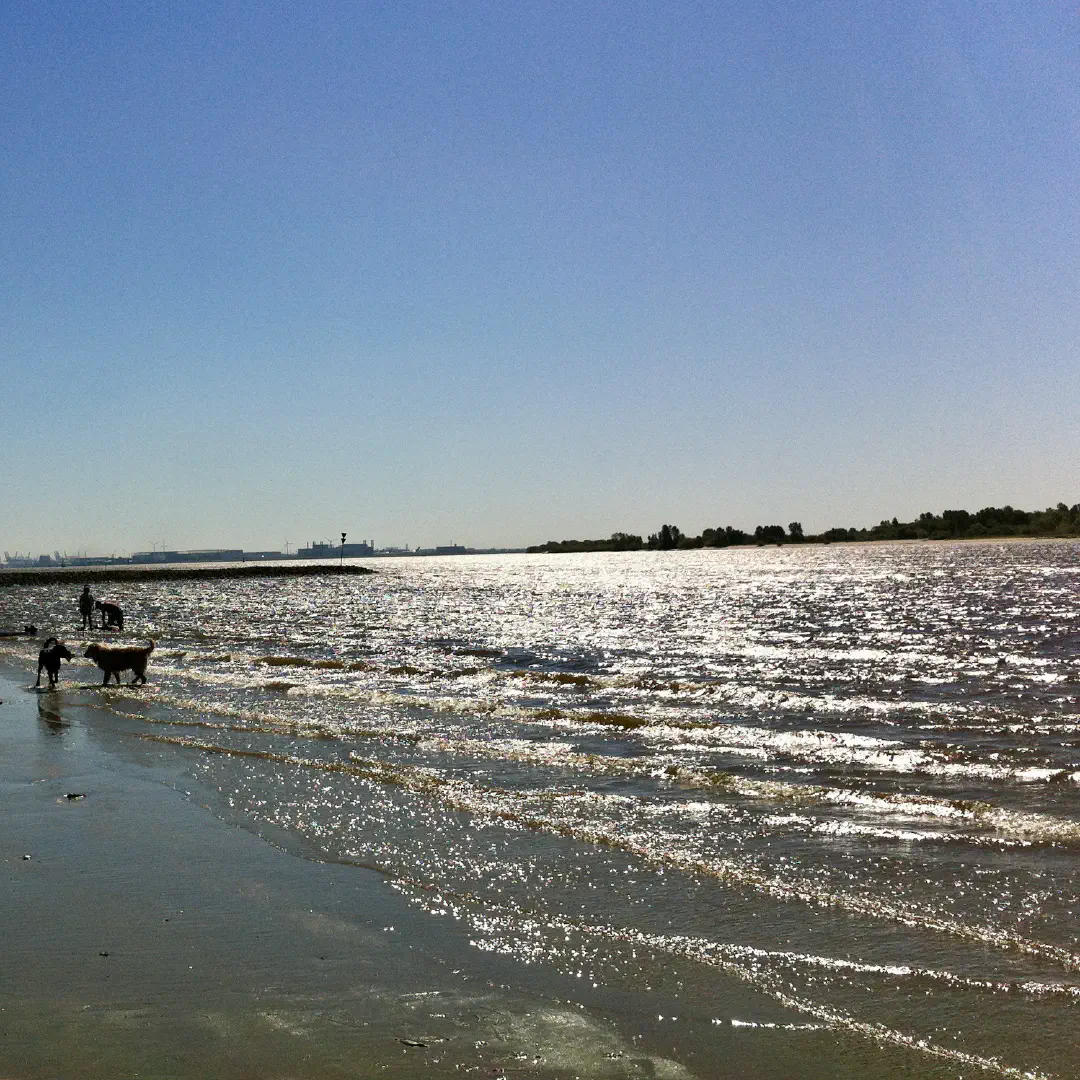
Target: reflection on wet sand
50	711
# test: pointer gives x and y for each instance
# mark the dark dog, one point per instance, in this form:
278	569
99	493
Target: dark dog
112	659
49	658
112	615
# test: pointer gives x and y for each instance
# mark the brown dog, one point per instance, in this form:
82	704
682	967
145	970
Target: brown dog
112	659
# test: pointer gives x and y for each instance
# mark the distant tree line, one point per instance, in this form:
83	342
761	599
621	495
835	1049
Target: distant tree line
1060	520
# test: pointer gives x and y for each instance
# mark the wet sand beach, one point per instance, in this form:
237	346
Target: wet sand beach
146	937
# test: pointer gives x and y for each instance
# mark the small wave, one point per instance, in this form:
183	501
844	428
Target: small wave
735	1023
458	673
902	836
834	749
821	747
1010	826
845	750
501	927
1014	825
610	719
254	721
562	678
1022	826
518	808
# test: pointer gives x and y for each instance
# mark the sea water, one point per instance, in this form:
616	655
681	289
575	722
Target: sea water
827	795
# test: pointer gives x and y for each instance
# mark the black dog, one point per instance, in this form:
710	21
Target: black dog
111	615
49	660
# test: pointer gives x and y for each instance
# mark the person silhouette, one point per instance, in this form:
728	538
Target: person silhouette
86	608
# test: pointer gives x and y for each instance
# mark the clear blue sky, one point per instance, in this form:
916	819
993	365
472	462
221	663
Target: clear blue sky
501	273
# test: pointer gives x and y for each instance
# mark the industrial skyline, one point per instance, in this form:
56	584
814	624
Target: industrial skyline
314	550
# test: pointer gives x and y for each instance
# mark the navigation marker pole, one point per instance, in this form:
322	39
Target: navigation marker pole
341	561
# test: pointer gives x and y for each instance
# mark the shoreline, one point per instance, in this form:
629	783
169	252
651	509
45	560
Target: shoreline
47	575
149	934
796	545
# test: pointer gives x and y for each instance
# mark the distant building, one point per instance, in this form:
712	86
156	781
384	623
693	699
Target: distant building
198	555
212	555
450	549
149	556
323	549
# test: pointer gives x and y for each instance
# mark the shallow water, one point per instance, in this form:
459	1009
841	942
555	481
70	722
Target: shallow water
831	794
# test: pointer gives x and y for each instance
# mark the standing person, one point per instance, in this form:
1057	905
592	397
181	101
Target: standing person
86	608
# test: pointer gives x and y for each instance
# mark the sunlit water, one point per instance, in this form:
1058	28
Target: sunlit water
844	778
